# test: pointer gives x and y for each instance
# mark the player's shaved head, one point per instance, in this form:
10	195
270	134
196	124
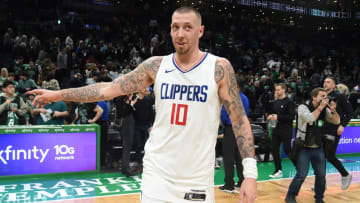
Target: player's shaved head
187	9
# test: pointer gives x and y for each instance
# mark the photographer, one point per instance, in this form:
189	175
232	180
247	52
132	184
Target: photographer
311	130
345	111
281	119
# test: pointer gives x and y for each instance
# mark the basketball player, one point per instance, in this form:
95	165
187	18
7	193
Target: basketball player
190	87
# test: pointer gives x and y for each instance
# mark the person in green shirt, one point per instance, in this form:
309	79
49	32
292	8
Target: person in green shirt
25	84
32	71
18	67
87	113
52	114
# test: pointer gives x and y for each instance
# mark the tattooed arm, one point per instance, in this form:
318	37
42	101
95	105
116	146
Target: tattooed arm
137	80
229	95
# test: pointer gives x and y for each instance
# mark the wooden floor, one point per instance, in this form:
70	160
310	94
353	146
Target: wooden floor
272	191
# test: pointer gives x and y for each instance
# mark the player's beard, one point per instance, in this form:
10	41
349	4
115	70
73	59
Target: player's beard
182	51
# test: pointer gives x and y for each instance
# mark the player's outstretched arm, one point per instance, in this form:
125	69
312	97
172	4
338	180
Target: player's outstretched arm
229	95
137	80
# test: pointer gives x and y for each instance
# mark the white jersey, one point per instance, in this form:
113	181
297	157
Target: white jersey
180	152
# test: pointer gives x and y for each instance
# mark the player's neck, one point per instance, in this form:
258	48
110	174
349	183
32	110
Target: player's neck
188	60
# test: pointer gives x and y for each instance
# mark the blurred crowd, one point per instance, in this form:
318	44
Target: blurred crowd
262	53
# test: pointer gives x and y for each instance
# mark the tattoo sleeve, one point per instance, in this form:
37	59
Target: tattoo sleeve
233	105
219	73
88	93
137	80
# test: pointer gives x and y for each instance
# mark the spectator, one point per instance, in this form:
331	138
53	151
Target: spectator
74	64
291	94
4	75
250	93
77	80
32	71
137	58
28	117
266	99
144	117
51	114
230	150
12	79
281	119
114	72
104	76
94	78
87	113
104	125
127	69
18	67
315	79
50	83
25	84
124	113
69	41
12	106
62	66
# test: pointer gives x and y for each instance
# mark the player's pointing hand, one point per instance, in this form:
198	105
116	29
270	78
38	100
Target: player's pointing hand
44	96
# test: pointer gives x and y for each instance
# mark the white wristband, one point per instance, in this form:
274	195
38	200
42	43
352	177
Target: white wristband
250	168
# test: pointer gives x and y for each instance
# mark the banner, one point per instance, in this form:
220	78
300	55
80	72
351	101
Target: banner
71	150
349	142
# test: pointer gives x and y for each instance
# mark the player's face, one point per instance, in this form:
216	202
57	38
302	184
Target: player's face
329	84
185	32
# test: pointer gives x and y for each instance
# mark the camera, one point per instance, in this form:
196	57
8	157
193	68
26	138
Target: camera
331	98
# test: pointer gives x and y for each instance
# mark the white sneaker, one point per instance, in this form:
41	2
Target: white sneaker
277	174
345	181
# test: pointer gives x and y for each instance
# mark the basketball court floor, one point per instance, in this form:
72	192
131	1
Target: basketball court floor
114	187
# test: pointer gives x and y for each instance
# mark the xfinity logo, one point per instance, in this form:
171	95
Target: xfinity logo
22	154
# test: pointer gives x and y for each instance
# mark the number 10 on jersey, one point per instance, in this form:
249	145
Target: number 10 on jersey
179	114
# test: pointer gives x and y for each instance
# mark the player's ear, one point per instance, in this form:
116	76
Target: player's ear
201	32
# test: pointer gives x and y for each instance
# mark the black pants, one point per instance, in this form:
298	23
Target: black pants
127	133
141	136
59	75
104	140
279	137
330	154
231	155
